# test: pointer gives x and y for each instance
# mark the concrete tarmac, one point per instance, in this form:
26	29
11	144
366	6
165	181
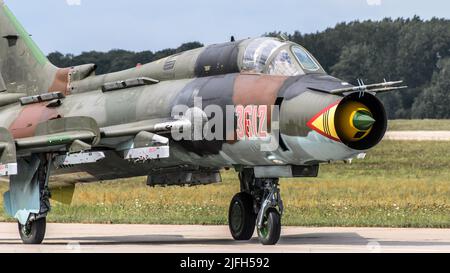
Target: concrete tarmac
79	238
418	135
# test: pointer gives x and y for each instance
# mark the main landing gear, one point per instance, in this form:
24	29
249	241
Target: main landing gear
258	205
33	232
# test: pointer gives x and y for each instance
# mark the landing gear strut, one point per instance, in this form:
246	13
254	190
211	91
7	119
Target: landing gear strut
269	216
258	205
33	232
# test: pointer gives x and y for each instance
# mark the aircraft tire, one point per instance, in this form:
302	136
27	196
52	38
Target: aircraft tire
270	233
241	217
34	232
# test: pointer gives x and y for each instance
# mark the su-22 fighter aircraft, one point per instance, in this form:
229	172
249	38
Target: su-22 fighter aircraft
276	114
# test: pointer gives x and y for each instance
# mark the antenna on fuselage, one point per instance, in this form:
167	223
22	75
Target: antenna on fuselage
283	37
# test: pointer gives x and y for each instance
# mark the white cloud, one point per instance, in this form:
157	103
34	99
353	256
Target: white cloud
374	2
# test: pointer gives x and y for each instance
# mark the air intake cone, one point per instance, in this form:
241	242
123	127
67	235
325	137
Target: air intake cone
354	121
363	120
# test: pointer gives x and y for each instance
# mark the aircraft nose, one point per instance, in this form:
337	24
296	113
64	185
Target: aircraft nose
357	120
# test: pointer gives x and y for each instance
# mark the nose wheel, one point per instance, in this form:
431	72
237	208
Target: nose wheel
258	205
242	218
269	216
270	230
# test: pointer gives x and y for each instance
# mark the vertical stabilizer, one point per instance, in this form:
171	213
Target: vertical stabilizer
24	68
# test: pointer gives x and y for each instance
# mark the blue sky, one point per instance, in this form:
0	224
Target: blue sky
73	26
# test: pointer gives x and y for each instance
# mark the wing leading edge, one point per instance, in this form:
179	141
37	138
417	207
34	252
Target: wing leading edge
77	140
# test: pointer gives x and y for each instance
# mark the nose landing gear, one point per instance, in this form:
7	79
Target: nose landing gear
242	217
270	212
258	205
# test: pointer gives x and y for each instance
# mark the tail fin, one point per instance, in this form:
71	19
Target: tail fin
23	66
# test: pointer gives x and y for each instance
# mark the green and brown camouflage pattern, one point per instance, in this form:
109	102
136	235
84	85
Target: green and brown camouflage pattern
216	73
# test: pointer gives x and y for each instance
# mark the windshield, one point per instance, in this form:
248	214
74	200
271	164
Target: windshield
305	59
274	57
284	65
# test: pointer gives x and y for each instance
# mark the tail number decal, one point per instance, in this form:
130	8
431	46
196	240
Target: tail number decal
252	122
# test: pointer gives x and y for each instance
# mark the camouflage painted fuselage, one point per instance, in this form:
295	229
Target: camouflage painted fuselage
229	87
230	74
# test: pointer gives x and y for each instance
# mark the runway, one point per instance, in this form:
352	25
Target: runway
418	135
79	238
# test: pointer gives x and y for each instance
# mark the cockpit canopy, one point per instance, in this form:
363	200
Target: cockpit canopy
265	55
274	57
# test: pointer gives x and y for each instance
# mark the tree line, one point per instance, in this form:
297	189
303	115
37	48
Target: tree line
413	50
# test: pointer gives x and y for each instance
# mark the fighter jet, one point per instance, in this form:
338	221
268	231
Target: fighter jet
262	106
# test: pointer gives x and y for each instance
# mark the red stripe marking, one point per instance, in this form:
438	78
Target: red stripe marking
311	125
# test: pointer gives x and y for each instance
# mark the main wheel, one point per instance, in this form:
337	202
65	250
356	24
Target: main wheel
242	217
33	233
269	233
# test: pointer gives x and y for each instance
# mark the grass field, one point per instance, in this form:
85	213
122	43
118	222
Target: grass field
399	184
420	125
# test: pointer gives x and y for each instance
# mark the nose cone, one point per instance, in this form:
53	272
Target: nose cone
357	121
363	120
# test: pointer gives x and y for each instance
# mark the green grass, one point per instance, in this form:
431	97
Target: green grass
399	184
420	125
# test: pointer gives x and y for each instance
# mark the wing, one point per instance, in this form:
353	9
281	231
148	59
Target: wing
77	140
